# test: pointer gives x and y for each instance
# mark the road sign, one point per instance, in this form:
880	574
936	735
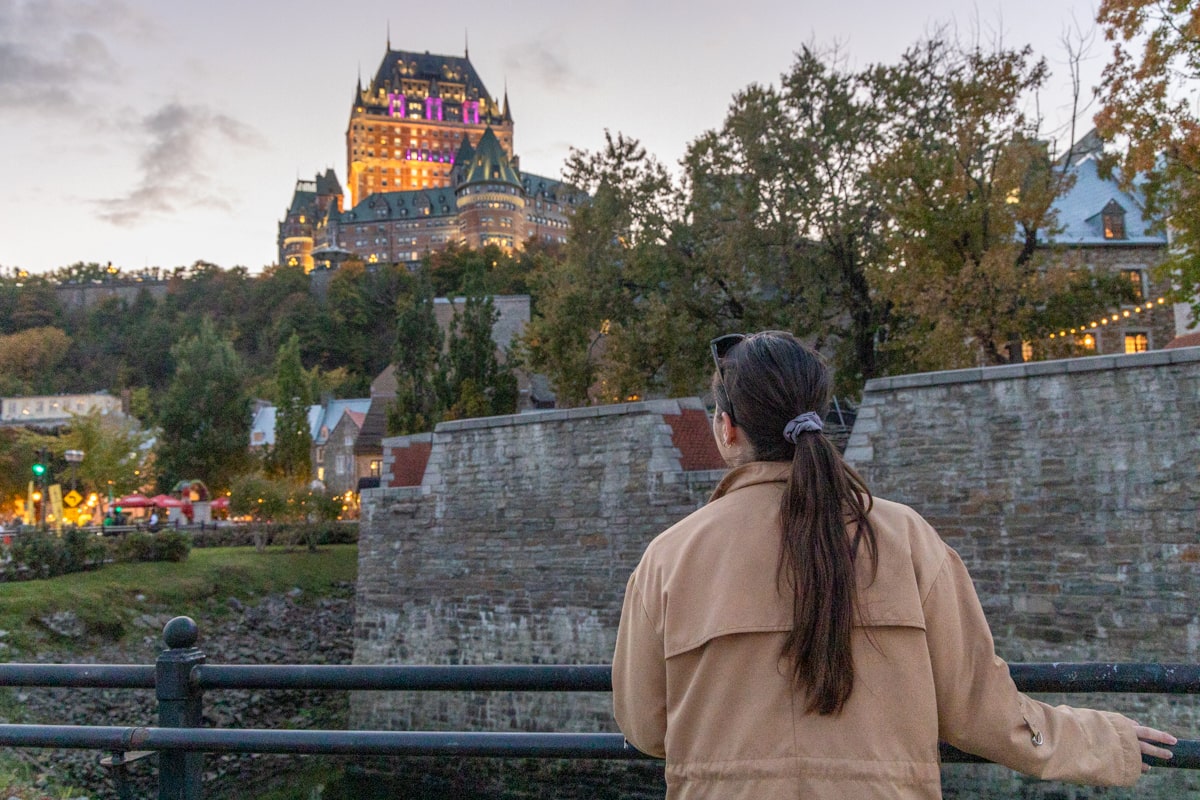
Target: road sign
73	498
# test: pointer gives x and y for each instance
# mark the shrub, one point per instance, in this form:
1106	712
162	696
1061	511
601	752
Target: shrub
160	546
40	554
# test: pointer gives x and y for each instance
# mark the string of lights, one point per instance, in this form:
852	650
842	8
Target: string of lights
1105	320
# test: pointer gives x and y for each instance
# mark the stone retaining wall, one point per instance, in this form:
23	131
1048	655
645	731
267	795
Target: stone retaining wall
1072	491
515	549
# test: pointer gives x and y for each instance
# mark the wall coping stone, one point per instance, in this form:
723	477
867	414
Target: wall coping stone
1154	358
672	407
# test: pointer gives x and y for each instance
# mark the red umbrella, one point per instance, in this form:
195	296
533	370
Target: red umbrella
221	504
166	501
133	501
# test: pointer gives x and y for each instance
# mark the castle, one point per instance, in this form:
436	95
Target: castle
429	163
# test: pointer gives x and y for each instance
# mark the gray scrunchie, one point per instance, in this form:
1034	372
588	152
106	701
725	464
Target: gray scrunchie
808	421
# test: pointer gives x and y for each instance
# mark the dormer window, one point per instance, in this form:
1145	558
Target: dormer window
1113	218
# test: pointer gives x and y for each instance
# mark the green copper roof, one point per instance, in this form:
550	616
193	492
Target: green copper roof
490	164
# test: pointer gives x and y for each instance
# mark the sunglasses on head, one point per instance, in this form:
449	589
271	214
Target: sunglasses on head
720	348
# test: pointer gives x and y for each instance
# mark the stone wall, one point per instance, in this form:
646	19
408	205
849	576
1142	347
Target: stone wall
515	549
1072	491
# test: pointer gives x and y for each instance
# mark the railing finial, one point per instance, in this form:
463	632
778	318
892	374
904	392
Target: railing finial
180	632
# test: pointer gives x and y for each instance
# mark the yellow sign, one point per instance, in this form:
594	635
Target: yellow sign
72	498
56	506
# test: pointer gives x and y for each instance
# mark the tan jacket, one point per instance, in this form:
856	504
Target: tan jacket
698	679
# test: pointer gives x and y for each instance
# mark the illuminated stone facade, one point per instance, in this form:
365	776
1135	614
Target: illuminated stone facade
430	163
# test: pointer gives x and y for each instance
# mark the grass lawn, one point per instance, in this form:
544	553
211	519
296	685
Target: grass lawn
105	600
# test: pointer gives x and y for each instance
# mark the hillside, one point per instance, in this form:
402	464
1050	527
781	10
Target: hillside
276	607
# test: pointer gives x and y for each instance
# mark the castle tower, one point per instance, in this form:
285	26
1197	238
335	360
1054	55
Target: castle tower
406	125
491	200
309	220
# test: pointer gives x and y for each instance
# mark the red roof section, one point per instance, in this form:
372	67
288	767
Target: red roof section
408	463
1186	340
691	433
357	417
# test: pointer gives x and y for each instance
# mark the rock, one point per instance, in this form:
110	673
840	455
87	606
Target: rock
295	591
235	605
63	623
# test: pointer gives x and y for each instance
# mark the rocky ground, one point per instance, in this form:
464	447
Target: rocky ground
281	629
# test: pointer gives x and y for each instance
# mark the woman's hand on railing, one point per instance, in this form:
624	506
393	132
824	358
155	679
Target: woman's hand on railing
1148	737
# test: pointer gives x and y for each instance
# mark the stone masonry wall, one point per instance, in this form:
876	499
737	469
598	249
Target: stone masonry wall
1072	491
515	549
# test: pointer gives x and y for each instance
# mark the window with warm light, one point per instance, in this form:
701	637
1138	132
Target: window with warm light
1137	278
1113	218
1137	342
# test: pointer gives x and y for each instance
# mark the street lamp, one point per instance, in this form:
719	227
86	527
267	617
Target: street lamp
73	458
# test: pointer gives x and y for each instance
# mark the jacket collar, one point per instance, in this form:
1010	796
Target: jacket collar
750	474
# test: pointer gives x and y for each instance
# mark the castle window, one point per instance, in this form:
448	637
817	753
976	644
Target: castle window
1137	342
1113	217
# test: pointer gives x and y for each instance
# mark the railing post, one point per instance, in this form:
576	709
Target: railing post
180	774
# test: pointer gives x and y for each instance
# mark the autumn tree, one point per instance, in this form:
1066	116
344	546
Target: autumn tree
204	421
968	189
29	358
1148	93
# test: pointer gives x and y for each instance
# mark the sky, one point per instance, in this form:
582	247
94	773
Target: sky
161	132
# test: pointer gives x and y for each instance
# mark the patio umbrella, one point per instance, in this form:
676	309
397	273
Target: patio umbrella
166	501
134	500
221	504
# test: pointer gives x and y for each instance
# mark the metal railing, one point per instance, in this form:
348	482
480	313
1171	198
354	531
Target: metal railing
180	677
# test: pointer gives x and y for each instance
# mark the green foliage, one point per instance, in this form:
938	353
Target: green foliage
205	415
114	451
420	373
478	384
164	545
39	554
291	455
615	261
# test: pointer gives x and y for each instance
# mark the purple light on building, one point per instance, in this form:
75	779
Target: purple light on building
397	100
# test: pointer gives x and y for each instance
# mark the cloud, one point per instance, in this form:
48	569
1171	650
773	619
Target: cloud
54	52
542	63
176	163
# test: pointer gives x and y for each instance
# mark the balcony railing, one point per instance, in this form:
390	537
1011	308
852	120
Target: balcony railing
180	677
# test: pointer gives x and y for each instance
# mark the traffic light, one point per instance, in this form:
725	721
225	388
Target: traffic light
39	469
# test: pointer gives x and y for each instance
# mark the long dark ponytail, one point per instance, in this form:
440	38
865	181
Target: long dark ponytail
770	378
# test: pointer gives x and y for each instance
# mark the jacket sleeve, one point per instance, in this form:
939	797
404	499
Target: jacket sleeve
981	711
639	676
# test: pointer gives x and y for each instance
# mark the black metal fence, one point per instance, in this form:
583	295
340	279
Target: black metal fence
180	676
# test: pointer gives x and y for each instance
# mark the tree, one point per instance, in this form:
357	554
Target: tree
291	456
114	452
786	220
1149	103
204	420
420	374
478	384
967	188
29	359
587	333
